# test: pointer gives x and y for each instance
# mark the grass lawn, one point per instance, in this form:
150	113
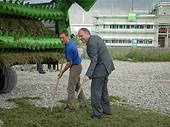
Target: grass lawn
123	115
136	54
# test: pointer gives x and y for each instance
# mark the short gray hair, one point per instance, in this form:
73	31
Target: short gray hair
85	30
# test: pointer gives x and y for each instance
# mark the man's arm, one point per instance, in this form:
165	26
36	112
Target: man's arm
68	65
92	53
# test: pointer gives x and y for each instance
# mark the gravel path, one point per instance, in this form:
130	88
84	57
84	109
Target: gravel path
142	84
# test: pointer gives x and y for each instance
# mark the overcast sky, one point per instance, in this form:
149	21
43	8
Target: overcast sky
109	7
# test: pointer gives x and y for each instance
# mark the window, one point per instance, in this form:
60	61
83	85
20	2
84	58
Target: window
111	26
121	26
116	26
149	26
113	41
107	26
128	26
140	41
132	26
145	27
148	41
145	41
141	27
116	41
107	41
125	41
129	41
120	41
137	27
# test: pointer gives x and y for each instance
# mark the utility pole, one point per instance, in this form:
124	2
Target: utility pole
112	7
132	5
83	17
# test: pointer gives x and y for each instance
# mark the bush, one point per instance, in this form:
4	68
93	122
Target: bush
77	40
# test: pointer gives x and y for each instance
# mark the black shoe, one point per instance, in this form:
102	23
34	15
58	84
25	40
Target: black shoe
85	106
95	117
42	72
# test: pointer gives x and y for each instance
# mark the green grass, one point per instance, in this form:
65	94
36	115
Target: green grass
136	54
140	54
115	98
28	115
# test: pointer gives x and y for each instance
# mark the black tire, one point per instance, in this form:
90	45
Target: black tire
8	80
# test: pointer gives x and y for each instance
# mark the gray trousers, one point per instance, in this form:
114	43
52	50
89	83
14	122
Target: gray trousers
99	96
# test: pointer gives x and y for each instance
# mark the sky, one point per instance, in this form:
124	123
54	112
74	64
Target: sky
109	7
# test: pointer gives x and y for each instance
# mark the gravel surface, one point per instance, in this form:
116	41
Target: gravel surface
145	85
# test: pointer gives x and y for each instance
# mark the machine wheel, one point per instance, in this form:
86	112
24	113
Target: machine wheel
8	80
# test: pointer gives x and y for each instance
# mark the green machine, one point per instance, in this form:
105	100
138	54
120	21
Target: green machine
25	40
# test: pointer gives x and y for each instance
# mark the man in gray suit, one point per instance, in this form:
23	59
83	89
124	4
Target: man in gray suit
101	66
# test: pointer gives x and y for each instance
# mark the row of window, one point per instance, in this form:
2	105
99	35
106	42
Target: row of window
140	41
128	26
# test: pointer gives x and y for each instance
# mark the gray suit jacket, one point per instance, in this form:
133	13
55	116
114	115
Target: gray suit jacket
101	62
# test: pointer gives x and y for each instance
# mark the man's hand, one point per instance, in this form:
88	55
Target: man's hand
60	74
86	78
68	65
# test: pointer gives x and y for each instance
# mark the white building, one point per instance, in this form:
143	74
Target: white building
75	28
149	30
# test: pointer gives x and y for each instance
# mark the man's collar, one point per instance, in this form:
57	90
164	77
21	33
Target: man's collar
88	39
67	42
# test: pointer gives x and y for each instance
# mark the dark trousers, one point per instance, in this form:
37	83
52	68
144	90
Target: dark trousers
40	67
99	96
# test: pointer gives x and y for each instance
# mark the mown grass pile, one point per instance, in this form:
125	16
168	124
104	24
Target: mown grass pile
123	115
10	58
21	25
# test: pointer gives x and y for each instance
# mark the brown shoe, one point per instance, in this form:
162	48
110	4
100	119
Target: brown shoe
68	109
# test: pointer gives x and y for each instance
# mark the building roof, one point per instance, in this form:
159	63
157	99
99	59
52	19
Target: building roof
163	4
